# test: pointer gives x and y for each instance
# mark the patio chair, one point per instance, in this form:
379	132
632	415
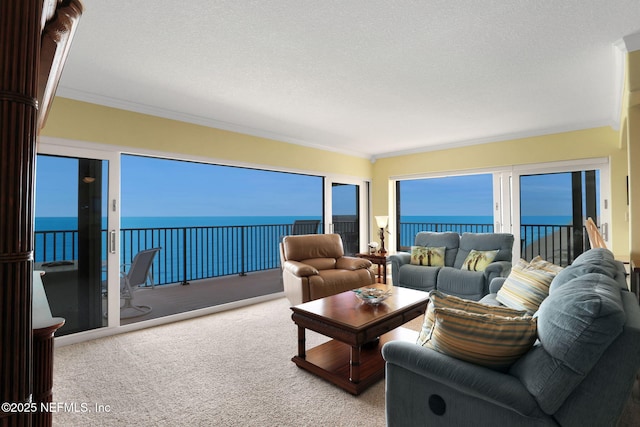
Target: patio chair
305	226
138	274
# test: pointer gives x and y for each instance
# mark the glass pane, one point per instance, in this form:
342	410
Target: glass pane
553	208
455	203
214	225
345	217
70	241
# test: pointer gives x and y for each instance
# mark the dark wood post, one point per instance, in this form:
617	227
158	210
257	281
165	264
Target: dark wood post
20	31
28	74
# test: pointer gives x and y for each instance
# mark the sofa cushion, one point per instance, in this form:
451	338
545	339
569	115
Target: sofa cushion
526	286
503	242
331	282
320	263
576	324
485	339
439	300
418	277
299	248
597	260
463	283
428	256
450	240
594	256
478	260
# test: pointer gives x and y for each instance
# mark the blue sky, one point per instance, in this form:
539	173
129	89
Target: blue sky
158	187
56	186
470	195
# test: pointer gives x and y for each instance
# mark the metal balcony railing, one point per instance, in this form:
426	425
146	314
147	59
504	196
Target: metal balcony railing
188	253
193	253
555	243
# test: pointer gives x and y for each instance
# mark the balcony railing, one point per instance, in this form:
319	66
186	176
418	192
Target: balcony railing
193	253
188	253
555	243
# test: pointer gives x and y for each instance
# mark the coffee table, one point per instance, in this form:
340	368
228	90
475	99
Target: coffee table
353	360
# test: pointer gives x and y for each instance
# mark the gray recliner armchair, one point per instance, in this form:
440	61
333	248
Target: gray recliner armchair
451	278
580	371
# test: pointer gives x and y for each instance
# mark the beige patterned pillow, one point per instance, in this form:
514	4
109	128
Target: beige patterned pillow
527	285
484	339
478	260
428	256
545	265
439	300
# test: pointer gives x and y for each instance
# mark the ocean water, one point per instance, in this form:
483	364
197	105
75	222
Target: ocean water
192	247
71	223
527	220
201	247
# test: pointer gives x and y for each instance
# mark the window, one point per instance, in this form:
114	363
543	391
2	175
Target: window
462	203
544	206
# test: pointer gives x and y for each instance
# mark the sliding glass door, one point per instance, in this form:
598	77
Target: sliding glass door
345	204
553	207
345	215
459	203
544	206
76	233
71	238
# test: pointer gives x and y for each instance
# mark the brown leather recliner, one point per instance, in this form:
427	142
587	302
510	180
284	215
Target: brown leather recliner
314	266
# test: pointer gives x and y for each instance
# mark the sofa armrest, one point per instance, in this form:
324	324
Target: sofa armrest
492	387
352	263
299	269
399	258
498	269
496	284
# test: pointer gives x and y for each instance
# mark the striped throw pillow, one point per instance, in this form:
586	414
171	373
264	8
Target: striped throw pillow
439	300
545	265
526	286
484	339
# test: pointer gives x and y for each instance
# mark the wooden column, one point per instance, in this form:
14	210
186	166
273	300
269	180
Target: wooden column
20	29
28	73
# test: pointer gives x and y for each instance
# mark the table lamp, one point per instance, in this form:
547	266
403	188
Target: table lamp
382	224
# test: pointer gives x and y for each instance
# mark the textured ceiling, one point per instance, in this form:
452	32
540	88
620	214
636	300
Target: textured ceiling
365	77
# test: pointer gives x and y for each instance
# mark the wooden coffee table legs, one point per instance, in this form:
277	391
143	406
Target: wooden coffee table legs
354	365
301	342
352	368
353	359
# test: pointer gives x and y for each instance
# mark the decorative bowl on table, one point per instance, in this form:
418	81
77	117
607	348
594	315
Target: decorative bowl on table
372	296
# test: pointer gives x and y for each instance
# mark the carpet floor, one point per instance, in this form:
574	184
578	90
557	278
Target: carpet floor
227	369
231	368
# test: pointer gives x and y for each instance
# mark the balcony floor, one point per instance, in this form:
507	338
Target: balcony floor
171	299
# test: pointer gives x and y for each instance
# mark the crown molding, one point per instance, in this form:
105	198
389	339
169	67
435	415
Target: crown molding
497	138
78	95
630	43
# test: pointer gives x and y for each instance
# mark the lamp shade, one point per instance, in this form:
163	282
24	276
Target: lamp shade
382	221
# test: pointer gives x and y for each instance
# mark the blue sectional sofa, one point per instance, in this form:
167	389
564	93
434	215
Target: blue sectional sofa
579	372
451	278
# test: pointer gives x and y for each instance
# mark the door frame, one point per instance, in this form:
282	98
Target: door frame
506	192
363	206
76	149
601	164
